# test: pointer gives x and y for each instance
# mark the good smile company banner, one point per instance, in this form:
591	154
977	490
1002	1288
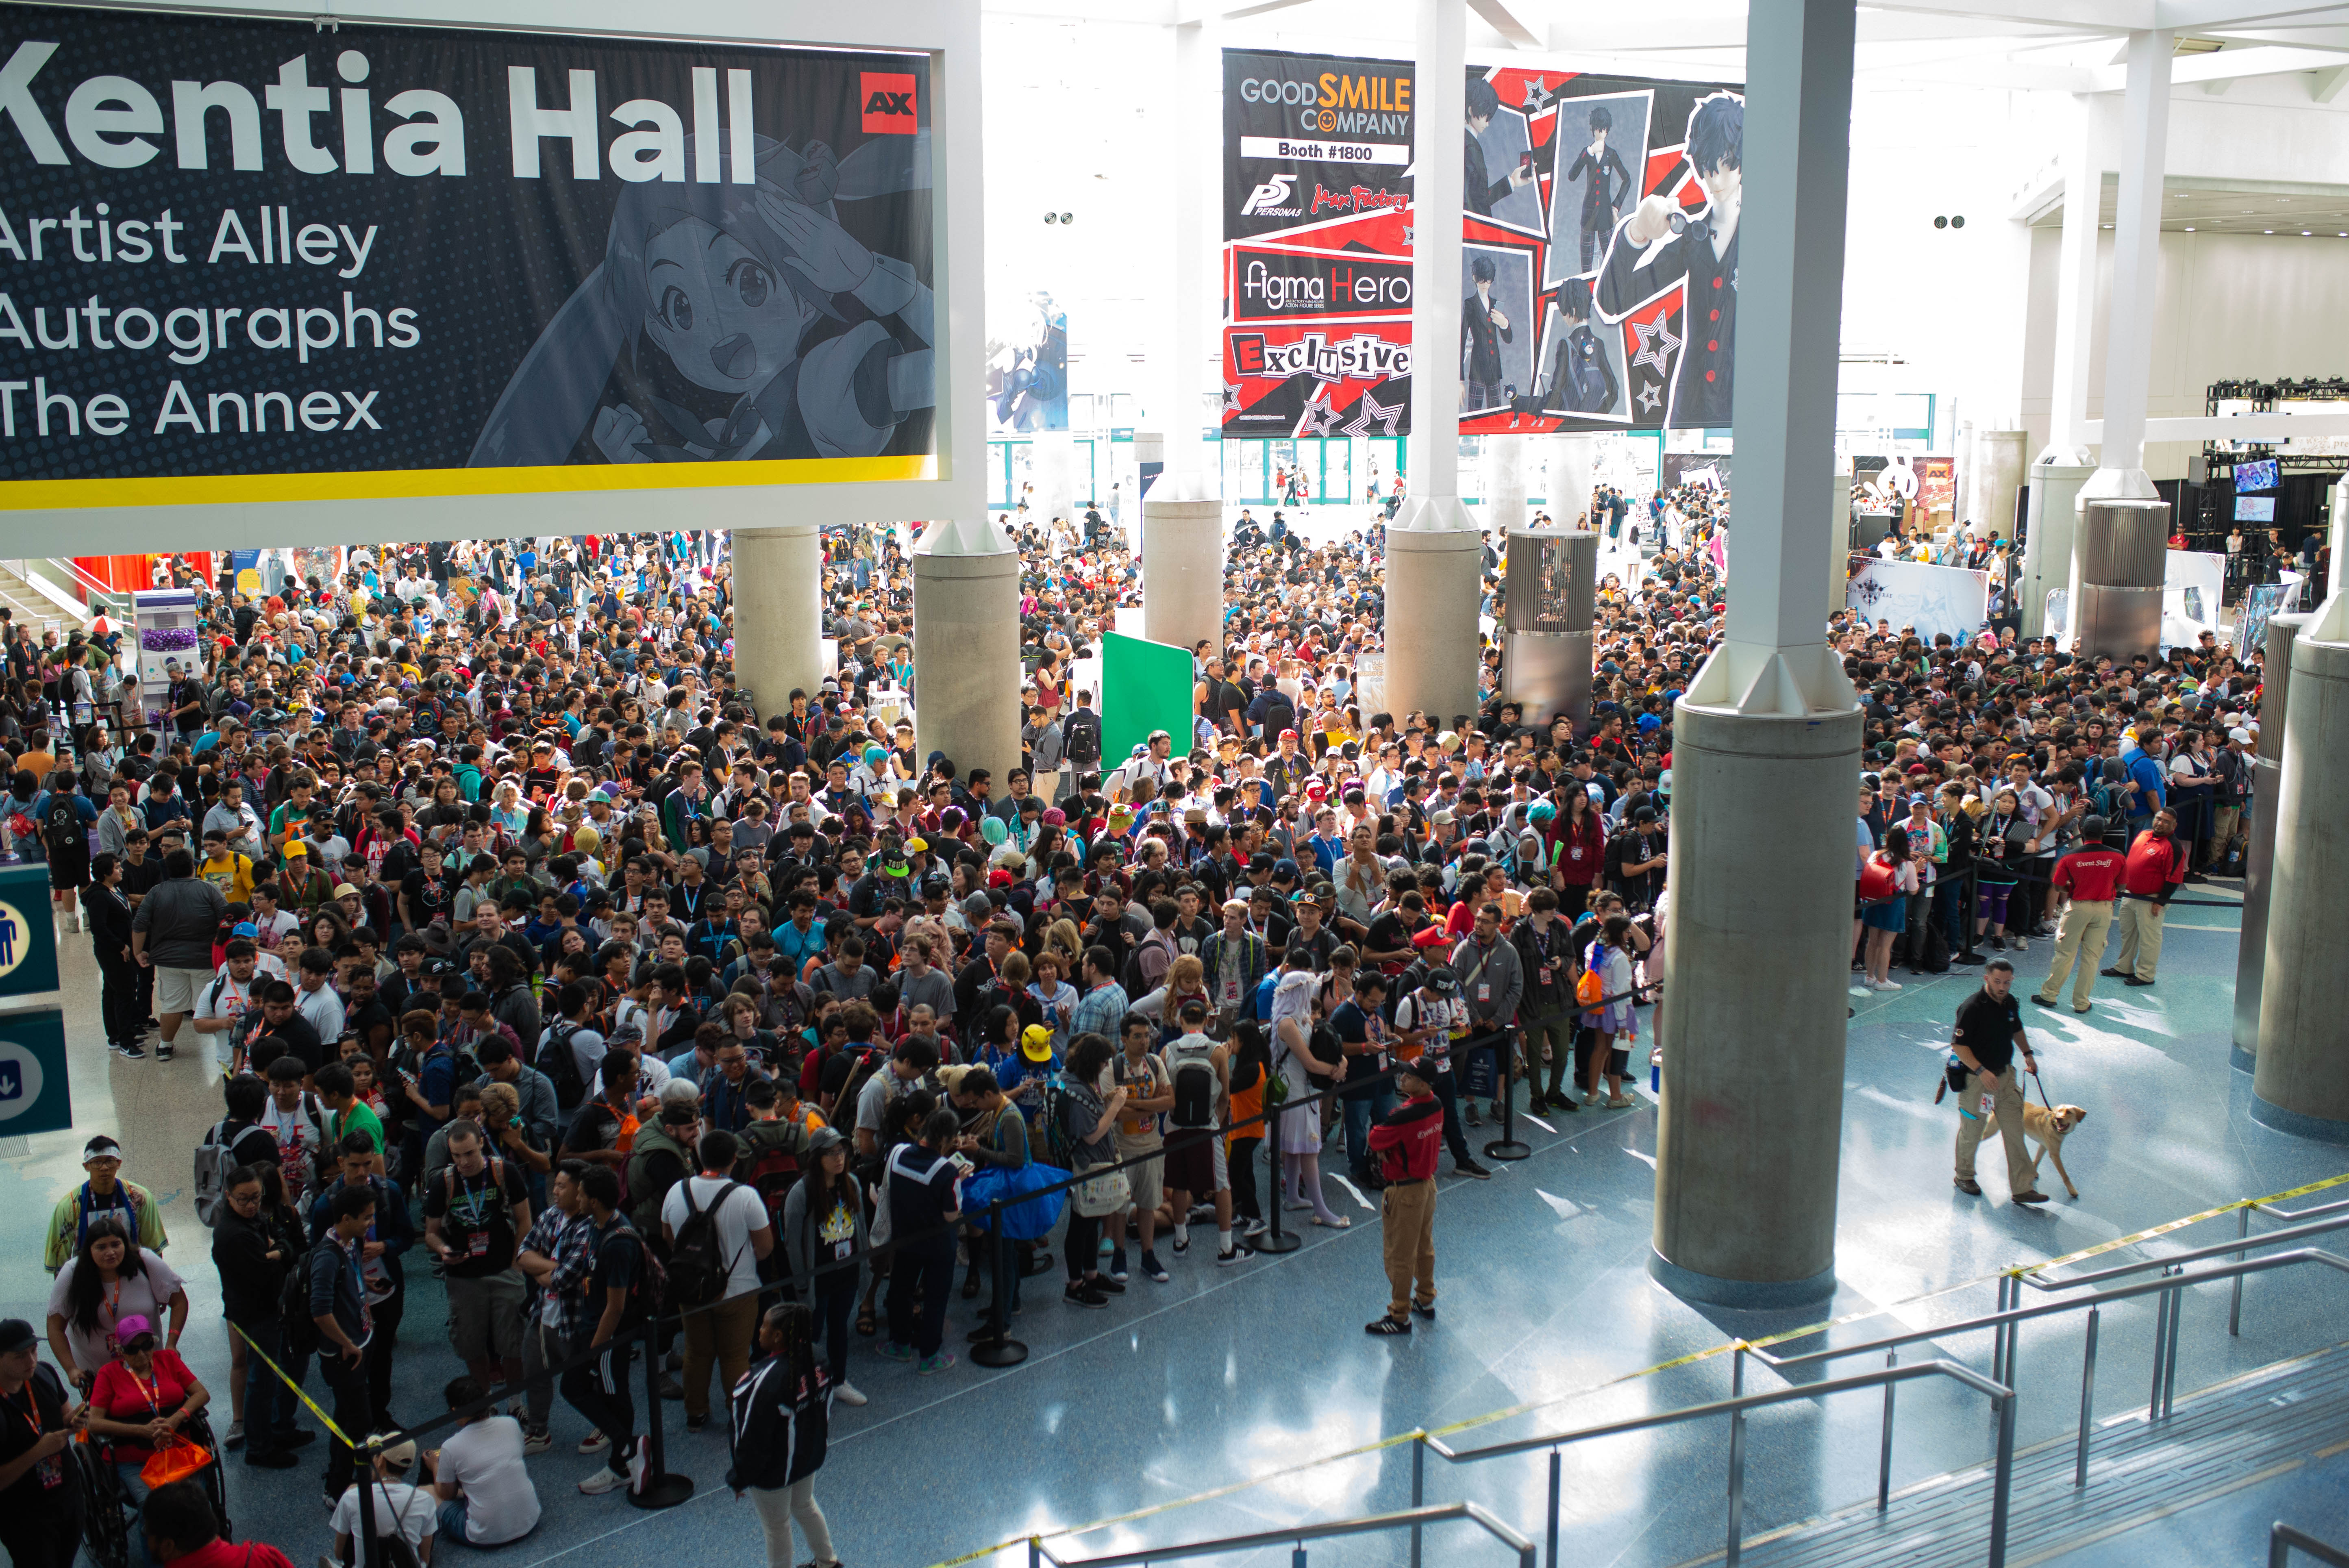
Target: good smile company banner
249	261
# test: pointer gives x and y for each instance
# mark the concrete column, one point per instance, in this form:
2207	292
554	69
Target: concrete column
1567	481
1189	377
777	611
1504	484
2259	863
1183	571
1839	560
1434	552
2055	484
2075	295
1053	471
966	646
1766	741
2000	454
2117	563
2137	239
2300	1083
2336	531
1545	620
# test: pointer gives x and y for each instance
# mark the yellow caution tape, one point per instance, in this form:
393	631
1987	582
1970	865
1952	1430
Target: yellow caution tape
323	1419
1693	1357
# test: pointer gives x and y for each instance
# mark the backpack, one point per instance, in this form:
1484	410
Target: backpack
559	1063
1081	738
1194	1091
424	717
1589	989
770	1164
698	1271
293	1306
61	828
215	1158
873	1059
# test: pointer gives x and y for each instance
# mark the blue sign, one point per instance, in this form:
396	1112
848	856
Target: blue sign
35	1093
28	936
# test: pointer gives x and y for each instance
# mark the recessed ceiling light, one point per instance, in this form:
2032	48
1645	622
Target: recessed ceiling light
2305	233
2267	230
2190	229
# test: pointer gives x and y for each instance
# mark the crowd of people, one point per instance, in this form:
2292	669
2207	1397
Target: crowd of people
545	975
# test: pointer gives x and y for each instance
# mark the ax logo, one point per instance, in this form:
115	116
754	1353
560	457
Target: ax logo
888	103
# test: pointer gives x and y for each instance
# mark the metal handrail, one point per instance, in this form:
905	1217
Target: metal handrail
1412	1519
2001	1397
2218	1249
2282	1538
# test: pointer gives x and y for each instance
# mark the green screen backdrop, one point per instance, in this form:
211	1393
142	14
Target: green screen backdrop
1146	686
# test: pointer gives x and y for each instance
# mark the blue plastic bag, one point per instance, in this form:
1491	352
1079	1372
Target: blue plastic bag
1024	1218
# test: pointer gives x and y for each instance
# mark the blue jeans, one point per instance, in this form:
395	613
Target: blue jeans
135	1488
1375	1103
1948	901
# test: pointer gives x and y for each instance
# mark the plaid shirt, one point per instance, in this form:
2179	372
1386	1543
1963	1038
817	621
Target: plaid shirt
569	1241
1101	1011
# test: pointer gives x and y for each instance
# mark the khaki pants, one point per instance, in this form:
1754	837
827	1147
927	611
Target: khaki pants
720	1333
2006	1101
2224	822
2079	947
2141	949
1408	1232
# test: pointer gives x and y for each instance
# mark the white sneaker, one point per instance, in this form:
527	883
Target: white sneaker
847	1394
535	1443
606	1479
1888	983
594	1443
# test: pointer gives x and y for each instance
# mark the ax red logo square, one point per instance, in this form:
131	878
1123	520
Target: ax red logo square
889	103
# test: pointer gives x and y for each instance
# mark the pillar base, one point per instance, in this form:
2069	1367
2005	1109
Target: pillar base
1181	569
1434	588
2241	1060
1746	1295
2316	1129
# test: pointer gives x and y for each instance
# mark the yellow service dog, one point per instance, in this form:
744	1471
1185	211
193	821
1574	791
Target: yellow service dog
2047	1128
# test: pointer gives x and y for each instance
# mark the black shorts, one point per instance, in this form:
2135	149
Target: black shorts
1191	1161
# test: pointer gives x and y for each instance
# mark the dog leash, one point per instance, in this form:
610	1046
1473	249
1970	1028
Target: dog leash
2043	1091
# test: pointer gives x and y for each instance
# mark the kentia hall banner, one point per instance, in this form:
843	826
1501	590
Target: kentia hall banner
1594	208
246	261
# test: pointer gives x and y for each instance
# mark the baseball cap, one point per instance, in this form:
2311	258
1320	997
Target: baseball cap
16	1333
1442	982
244	928
130	1325
297	848
1036	1043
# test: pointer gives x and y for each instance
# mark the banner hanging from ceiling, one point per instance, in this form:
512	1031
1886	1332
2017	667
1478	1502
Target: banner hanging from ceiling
251	261
1599	262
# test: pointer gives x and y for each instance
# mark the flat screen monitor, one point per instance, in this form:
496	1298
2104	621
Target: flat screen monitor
2255	509
2258	476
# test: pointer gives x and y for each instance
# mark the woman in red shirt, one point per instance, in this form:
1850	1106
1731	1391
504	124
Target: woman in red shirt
142	1399
1579	844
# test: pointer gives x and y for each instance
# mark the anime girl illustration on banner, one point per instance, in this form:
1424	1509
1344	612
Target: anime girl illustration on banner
731	322
1666	242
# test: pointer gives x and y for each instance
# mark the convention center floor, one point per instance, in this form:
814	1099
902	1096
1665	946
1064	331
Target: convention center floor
1256	1386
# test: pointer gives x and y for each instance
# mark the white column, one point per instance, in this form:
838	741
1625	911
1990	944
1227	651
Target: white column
1434	552
1503	485
1568	480
2336	533
1766	741
2137	239
967	646
777	611
2059	472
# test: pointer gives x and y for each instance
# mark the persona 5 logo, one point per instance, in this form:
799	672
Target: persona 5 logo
1272	199
888	103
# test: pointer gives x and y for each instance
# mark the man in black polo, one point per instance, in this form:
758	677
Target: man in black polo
1989	1032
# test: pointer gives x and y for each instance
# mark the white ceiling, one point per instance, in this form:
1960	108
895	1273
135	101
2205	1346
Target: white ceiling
2289	211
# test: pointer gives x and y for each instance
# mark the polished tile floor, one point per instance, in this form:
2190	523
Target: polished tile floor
1248	1379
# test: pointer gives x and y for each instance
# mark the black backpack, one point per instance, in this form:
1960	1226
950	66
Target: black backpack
61	828
293	1306
1081	738
559	1063
698	1270
1195	1093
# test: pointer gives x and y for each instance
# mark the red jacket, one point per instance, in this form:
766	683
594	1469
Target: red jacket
1407	1141
2091	875
2153	865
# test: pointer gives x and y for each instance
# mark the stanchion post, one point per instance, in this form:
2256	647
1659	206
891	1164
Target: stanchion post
992	1346
1556	1499
1506	1146
661	1488
2088	1400
1275	1239
1418	1488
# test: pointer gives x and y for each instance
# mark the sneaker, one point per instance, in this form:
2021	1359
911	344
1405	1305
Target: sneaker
604	1480
1106	1285
236	1438
131	1051
1888	983
1076	1293
1425	1314
594	1443
1471	1117
1153	1268
1998	944
1622	1103
639	1462
2021	944
1388	1327
1117	1269
1241	1252
943	1361
1470	1168
535	1443
847	1394
162	1051
694	1423
890	1350
1181	1243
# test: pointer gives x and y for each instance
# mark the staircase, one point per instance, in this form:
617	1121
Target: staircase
2232	1435
32	607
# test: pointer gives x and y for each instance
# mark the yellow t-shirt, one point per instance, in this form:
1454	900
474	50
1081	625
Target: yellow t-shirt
232	875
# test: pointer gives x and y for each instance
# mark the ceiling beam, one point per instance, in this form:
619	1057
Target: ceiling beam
2324	86
2113	16
2225	66
1503	17
2204	15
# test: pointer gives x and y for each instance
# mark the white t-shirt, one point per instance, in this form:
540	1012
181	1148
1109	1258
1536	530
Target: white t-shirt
300	1134
411	1510
148	1294
743	1213
484	1457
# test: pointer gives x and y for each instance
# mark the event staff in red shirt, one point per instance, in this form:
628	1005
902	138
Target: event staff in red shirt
2157	866
2092	875
1405	1141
